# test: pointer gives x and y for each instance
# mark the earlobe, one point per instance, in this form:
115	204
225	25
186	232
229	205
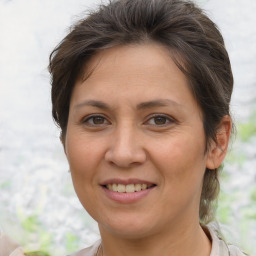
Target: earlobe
218	148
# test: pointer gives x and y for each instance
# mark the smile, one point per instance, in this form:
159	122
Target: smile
129	188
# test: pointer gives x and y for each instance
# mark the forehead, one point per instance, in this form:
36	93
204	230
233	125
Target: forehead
146	69
133	60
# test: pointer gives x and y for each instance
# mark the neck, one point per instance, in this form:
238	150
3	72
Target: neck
190	241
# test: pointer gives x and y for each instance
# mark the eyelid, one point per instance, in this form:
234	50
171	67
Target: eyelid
88	117
170	119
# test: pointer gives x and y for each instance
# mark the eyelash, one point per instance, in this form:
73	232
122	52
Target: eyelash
93	117
168	120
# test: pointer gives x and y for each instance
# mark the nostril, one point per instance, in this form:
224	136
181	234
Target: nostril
125	151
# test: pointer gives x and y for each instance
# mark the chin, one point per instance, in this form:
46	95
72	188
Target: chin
132	228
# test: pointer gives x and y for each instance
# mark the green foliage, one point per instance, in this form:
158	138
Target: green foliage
247	130
224	214
45	240
253	195
30	223
37	253
5	185
33	227
238	158
249	213
224	211
71	242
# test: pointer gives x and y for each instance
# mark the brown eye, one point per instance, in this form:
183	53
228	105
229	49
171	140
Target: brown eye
160	120
96	121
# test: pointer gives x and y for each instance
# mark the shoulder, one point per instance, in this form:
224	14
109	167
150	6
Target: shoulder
219	246
90	251
235	251
9	247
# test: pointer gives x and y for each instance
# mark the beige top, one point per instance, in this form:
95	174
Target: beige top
219	247
9	247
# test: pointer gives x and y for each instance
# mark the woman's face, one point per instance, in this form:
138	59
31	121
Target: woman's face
135	142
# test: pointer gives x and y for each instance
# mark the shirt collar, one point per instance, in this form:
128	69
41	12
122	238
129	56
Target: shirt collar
219	247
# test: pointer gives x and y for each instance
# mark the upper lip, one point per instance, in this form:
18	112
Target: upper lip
126	181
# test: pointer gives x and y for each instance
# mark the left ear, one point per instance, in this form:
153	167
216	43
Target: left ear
218	149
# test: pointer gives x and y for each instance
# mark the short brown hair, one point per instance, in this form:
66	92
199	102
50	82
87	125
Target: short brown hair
195	44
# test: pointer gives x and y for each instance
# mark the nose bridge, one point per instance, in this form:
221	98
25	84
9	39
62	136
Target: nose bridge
125	139
126	148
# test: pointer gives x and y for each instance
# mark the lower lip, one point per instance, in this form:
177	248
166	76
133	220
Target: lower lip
127	198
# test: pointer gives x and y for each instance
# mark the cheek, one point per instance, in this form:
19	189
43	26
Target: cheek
82	151
84	157
181	160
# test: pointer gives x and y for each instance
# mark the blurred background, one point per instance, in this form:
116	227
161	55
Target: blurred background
38	207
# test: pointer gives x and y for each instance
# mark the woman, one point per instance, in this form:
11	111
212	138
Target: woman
141	91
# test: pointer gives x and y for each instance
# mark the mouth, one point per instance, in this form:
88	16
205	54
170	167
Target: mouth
127	191
128	188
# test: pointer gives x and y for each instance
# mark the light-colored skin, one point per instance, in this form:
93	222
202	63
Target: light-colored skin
128	143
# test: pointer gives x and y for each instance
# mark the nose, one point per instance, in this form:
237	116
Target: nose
126	149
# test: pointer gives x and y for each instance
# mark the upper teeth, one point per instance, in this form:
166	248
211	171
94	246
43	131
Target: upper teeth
130	188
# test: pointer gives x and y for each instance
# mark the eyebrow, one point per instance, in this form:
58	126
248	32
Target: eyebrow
158	103
93	103
140	106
